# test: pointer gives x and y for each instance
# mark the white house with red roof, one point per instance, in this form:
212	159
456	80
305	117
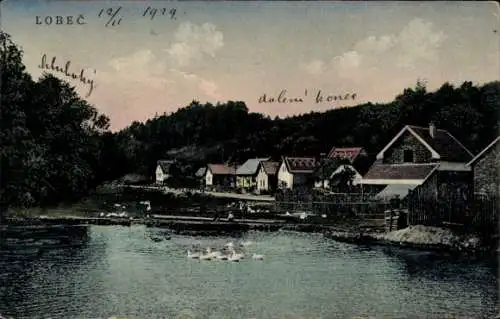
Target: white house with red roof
295	171
220	175
267	178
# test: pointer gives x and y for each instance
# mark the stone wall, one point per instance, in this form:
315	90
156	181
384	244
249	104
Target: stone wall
394	155
486	178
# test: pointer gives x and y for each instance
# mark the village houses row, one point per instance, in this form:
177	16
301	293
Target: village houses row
424	157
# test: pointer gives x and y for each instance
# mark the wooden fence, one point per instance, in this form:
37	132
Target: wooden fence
319	195
365	214
477	212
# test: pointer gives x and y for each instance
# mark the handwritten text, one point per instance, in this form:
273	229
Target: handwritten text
152	12
318	97
65	70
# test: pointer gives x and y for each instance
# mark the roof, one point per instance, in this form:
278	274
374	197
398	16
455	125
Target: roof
200	172
350	153
270	168
398	173
443	145
250	167
221	169
165	165
300	164
484	151
400	190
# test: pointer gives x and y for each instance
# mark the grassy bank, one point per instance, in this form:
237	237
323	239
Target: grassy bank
85	208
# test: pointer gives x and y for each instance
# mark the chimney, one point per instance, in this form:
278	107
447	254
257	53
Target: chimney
319	159
432	129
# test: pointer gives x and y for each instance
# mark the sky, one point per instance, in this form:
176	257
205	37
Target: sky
224	50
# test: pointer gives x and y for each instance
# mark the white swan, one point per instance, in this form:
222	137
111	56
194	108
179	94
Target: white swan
193	255
258	257
221	256
236	255
212	254
206	257
246	243
216	254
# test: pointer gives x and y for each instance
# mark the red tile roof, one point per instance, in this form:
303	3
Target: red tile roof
300	164
399	171
221	169
345	152
270	168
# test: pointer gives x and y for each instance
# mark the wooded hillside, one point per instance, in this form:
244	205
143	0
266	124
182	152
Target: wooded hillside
56	146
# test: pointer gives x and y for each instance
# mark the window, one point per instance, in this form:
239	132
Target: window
408	156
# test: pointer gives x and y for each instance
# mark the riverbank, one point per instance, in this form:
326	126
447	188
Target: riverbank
191	191
416	237
419	237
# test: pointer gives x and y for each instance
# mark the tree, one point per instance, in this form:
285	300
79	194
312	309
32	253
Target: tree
342	181
326	169
14	135
51	138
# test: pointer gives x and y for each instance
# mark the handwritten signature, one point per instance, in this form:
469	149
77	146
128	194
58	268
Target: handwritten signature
65	70
319	97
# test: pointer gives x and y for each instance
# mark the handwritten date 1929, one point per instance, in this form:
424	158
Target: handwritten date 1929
319	97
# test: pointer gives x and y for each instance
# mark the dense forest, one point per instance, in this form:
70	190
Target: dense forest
56	147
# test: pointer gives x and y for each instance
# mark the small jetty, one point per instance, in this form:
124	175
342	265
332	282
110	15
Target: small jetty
178	224
182	224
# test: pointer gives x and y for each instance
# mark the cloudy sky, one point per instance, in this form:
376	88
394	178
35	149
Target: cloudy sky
219	51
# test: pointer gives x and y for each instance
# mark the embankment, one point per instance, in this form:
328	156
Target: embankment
68	221
418	237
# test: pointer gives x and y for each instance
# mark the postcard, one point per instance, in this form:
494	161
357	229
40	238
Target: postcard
249	159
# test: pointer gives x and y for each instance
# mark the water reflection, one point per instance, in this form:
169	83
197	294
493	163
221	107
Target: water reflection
31	257
139	272
439	274
33	241
442	266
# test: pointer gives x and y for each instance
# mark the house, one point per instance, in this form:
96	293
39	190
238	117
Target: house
485	168
246	174
267	176
326	182
163	170
295	171
418	156
220	175
356	158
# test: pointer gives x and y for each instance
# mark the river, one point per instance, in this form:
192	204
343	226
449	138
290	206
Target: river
129	272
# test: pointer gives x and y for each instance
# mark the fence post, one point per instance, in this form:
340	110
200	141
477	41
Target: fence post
390	220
